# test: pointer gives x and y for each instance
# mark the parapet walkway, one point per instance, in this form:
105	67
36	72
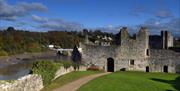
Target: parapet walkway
75	85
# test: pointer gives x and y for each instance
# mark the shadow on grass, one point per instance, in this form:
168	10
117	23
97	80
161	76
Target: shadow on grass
175	83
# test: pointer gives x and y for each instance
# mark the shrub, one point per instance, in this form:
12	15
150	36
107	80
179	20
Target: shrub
94	68
66	64
3	53
46	69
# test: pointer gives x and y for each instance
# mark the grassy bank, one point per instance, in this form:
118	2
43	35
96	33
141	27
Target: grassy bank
134	81
62	80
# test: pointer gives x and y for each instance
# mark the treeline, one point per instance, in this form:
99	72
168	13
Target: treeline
18	41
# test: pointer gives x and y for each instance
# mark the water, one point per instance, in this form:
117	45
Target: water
14	71
23	67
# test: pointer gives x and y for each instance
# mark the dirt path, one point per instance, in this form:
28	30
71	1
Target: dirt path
73	86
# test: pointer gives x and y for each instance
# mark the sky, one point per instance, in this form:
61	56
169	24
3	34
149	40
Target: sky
106	15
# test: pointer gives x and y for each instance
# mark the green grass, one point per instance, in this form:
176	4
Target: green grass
134	81
62	80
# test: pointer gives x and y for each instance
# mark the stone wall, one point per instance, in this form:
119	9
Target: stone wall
31	82
63	70
98	56
160	58
122	55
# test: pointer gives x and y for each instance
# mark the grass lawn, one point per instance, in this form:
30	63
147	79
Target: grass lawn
62	80
134	81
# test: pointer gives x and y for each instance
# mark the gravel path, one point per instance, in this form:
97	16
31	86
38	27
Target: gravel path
75	85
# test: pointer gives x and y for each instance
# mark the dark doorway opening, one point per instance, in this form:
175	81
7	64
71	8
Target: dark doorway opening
123	69
147	68
178	68
110	65
165	69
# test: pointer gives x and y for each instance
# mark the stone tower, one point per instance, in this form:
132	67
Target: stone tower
143	41
143	37
123	35
166	39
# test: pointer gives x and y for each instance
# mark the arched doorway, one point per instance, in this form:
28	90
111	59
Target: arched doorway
110	65
165	69
147	68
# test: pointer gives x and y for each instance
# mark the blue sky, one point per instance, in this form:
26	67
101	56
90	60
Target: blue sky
107	15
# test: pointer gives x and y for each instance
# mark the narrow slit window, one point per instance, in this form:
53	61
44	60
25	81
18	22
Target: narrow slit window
147	52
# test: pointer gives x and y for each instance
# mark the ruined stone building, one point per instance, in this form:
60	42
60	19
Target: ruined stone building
164	41
138	54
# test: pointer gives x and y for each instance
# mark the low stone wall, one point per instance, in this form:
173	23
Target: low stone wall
32	82
63	70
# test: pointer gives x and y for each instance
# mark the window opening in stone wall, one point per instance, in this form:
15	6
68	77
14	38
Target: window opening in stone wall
147	52
131	62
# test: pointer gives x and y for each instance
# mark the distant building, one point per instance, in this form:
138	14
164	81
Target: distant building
51	46
103	40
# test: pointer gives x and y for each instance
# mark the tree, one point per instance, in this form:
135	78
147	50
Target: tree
10	29
76	55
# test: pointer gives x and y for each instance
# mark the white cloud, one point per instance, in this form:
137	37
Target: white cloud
11	12
163	13
39	19
55	24
157	23
154	26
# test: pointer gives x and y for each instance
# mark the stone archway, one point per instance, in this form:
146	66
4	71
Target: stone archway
110	64
165	69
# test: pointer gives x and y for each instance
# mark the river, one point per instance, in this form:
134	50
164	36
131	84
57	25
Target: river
21	67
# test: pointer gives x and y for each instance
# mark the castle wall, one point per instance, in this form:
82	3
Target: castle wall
132	49
93	54
98	55
156	60
160	58
139	64
133	54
